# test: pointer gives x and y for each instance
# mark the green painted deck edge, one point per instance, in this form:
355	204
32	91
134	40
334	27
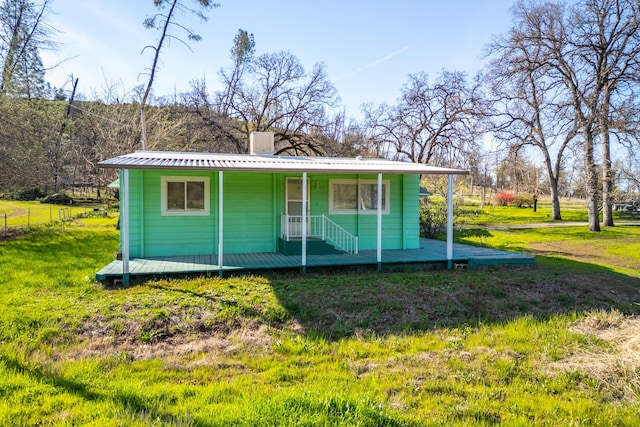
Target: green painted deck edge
431	255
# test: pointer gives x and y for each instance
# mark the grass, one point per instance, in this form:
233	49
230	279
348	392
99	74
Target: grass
22	214
461	347
617	248
571	210
515	215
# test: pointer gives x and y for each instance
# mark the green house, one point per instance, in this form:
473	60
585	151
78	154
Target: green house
179	204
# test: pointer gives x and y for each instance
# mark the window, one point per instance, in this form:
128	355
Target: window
350	196
294	196
185	195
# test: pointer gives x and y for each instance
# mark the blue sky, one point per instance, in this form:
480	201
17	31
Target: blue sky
369	47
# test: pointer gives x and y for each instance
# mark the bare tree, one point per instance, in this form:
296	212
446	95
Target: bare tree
217	132
547	27
608	45
100	129
431	123
163	21
592	48
277	95
531	108
516	172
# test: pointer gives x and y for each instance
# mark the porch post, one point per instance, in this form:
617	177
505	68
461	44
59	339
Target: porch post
124	224
304	222
220	222
379	245
450	222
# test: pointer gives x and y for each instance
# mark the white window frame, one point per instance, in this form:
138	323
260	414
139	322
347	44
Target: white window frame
184	212
359	210
286	201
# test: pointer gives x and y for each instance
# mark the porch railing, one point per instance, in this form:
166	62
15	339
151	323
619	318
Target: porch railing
319	227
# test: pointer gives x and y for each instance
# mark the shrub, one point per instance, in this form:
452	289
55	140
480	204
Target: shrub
433	216
29	194
58	199
523	200
504	198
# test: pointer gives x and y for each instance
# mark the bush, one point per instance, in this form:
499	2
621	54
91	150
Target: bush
524	200
433	218
28	194
504	198
58	199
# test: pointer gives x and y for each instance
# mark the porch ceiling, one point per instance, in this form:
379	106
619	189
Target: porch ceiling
266	163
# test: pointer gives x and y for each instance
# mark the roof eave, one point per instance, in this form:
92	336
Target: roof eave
429	171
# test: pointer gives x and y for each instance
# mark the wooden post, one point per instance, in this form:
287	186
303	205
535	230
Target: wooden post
450	222
379	228
124	224
304	222
220	222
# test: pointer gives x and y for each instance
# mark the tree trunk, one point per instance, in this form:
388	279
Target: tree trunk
592	183
607	182
555	199
607	179
152	73
553	186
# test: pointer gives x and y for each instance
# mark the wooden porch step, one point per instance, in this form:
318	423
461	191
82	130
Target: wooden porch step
314	247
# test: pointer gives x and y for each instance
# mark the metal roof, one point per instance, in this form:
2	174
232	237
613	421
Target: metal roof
168	160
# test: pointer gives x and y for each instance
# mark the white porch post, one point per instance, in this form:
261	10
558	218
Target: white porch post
220	221
124	224
450	222
304	222
379	232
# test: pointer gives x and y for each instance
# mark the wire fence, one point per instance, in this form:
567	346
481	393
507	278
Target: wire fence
46	215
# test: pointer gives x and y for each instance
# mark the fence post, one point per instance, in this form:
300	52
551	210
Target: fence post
28	217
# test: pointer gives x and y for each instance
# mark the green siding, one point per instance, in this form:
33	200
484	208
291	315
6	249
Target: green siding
135	213
365	226
159	235
253	205
248	212
411	211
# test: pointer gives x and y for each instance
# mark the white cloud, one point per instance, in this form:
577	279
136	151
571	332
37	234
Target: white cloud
373	64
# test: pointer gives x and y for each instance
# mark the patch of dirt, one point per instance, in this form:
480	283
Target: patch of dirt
252	337
592	252
616	364
17	212
11	234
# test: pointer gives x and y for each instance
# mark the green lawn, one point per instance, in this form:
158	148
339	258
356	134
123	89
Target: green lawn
570	210
21	214
461	347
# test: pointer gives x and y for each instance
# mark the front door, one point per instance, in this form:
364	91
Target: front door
294	206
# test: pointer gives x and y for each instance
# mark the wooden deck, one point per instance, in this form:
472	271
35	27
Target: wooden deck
432	254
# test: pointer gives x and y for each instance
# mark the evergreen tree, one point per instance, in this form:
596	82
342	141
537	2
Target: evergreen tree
23	31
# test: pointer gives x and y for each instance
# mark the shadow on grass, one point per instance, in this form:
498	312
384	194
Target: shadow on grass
344	305
136	405
42	375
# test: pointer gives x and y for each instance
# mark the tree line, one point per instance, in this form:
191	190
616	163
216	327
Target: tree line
557	97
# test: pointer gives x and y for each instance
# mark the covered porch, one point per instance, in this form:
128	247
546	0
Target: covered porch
183	213
431	254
